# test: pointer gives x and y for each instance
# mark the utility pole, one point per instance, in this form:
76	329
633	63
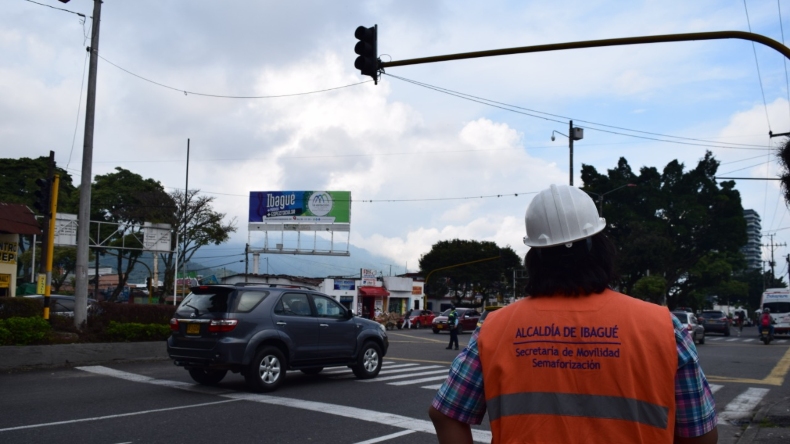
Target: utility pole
773	248
81	268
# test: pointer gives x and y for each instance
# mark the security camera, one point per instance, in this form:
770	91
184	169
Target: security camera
552	137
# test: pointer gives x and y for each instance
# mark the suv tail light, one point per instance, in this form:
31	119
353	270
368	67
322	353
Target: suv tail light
174	324
222	325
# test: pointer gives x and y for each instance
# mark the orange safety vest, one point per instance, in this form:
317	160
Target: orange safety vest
597	368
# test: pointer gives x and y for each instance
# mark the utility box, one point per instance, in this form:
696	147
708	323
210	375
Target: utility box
578	133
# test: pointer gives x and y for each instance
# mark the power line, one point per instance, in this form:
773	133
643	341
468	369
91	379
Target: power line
186	92
534	113
759	77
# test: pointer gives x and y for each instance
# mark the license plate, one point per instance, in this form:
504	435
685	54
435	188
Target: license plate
193	329
439	326
765	332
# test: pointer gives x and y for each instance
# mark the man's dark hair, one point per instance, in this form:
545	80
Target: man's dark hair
585	268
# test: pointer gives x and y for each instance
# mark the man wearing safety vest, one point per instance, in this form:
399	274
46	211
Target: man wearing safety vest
576	362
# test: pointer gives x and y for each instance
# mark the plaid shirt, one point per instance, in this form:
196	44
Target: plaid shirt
462	398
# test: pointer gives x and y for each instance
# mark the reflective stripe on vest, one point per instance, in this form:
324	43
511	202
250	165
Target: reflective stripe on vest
591	406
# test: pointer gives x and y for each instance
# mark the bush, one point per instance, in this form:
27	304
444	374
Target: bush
25	331
18	307
134	331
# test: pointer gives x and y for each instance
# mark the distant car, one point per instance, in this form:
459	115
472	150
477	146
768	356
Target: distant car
689	321
467	319
421	318
715	321
62	305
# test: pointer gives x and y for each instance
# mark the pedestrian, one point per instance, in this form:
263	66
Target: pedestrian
407	319
452	324
576	362
740	317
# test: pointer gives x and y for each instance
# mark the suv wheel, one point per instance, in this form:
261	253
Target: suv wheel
369	362
207	377
267	370
417	325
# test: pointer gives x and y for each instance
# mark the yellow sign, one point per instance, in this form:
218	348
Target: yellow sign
41	284
5	280
8	252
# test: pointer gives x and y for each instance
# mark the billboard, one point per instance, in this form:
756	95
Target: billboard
300	210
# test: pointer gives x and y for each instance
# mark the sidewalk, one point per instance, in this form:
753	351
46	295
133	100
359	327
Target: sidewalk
13	358
770	425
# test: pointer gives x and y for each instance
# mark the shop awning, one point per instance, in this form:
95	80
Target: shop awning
373	291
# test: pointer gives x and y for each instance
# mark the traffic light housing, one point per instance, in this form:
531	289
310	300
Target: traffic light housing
42	203
367	48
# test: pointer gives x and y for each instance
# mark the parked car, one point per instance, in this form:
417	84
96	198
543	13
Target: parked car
420	318
689	321
62	305
715	321
467	319
264	330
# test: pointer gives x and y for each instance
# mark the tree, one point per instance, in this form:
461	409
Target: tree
64	262
204	226
669	222
18	185
125	201
468	268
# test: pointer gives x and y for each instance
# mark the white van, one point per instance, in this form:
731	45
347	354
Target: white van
778	300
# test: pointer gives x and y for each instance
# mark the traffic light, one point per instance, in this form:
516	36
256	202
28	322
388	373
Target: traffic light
42	203
367	48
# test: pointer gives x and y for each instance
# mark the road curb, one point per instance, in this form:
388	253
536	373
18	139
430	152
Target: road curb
14	358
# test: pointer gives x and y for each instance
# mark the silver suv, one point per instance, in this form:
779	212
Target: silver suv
262	330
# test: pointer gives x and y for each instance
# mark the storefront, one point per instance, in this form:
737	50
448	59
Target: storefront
372	300
17	219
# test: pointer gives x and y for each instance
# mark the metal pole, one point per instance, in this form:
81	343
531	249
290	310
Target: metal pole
570	146
184	248
81	267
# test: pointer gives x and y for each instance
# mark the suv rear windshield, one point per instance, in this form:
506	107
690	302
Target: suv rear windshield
221	300
712	314
682	316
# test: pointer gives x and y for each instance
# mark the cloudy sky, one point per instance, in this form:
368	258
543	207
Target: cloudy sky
421	165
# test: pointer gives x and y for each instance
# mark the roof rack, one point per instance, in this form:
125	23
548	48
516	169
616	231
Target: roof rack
261	284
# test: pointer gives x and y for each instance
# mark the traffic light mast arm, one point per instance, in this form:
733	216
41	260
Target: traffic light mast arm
717	35
424	303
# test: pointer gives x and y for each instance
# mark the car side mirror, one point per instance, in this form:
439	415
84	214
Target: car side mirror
349	314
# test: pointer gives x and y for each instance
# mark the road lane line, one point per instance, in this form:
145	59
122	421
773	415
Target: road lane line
410	375
120	415
413	369
419	381
387	437
404	422
743	405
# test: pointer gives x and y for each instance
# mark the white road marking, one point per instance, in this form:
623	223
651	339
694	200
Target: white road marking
410	375
419	381
715	387
120	415
714	339
748	340
413	369
733	339
404	422
386	438
346	369
431	387
743	405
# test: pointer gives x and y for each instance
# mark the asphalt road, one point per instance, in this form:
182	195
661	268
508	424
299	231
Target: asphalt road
156	402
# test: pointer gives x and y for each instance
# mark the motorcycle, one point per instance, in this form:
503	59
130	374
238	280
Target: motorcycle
765	335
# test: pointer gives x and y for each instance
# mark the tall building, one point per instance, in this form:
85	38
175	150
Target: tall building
752	250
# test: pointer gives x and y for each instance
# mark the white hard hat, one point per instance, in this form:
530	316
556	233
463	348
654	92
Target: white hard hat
561	214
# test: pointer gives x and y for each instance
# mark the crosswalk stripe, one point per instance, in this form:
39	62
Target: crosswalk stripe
748	340
733	339
410	375
715	387
411	369
419	381
431	387
743	405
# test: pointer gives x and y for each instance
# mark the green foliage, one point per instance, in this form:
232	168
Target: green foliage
12	307
133	331
18	183
650	288
681	225
24	331
467	268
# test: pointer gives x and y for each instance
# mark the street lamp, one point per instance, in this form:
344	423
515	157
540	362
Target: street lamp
575	134
600	196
